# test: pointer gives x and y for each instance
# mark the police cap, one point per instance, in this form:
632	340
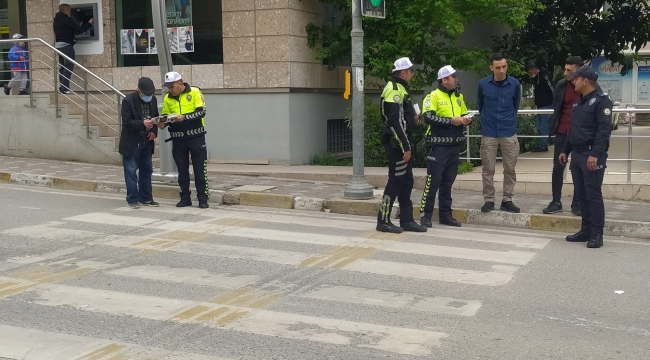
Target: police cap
586	72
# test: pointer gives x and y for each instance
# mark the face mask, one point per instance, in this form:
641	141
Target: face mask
146	98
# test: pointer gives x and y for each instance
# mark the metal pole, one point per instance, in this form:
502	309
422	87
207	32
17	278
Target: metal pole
358	188
86	102
168	171
629	151
30	81
119	113
56	87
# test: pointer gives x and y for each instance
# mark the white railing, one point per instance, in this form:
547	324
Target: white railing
629	137
90	98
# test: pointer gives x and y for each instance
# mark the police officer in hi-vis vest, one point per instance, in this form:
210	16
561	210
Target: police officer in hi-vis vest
399	116
443	110
188	135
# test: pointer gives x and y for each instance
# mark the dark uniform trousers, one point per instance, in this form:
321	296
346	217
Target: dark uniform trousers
557	178
442	168
587	184
400	185
182	149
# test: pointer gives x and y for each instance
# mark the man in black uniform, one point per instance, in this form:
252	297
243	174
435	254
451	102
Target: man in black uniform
399	115
588	139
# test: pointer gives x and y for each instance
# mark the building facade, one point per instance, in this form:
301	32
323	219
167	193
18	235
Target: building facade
269	99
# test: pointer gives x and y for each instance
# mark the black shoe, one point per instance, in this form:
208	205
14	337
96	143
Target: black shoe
413	227
389	228
509	207
184	203
553	208
134	206
7	90
23	92
488	206
149	203
580	236
449	221
203	204
595	241
538	150
65	91
424	221
576	210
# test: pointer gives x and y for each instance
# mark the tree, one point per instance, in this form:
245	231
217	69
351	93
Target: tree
587	28
424	30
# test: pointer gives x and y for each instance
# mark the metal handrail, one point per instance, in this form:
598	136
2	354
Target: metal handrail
629	136
84	94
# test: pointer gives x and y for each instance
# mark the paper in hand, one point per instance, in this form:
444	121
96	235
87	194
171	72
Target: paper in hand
417	109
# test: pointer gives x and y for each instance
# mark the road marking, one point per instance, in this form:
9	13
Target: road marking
442	305
185	276
34	277
377	267
530	240
30	344
50	233
254	321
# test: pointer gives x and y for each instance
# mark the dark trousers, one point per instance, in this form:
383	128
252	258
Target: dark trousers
182	150
66	67
442	168
557	178
588	184
400	185
137	173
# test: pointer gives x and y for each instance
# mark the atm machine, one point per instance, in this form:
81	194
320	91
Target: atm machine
90	42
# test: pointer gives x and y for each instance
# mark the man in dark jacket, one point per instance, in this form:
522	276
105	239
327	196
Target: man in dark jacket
543	100
137	142
65	30
565	95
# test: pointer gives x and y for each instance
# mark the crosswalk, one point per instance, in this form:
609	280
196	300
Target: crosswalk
245	276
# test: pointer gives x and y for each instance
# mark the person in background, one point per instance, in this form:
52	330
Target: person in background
543	91
65	30
19	57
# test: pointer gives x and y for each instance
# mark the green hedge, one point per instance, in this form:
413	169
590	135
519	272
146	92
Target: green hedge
375	154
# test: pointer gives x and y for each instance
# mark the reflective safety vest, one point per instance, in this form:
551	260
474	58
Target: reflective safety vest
185	103
445	104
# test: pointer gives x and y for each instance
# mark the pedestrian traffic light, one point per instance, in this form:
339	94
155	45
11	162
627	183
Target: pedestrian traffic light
346	94
373	8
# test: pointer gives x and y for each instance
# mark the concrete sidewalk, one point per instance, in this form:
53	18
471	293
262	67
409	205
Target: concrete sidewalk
625	218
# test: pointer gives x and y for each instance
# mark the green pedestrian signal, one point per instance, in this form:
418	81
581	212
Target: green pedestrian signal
373	8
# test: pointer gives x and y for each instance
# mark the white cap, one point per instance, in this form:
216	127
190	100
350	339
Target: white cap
446	71
402	64
171	77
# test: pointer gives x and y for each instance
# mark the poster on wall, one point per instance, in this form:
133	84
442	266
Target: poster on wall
179	13
143	41
643	83
617	86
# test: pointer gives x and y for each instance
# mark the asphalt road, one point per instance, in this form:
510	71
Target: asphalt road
83	277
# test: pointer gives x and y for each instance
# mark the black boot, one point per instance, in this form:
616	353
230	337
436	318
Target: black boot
580	236
595	241
203	204
184	202
389	227
413	227
450	221
23	92
426	221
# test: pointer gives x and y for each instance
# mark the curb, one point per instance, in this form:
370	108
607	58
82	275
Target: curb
564	224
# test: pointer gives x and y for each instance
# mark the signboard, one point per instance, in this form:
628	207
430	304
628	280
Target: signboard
643	84
179	13
143	41
618	87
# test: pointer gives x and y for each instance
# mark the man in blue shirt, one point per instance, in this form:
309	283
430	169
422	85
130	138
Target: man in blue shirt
498	101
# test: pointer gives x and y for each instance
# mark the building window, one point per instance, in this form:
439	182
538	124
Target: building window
194	29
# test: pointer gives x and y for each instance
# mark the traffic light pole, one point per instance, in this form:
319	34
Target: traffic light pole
168	171
358	188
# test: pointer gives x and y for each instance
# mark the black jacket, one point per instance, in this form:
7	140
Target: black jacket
558	98
65	28
591	125
133	124
543	88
